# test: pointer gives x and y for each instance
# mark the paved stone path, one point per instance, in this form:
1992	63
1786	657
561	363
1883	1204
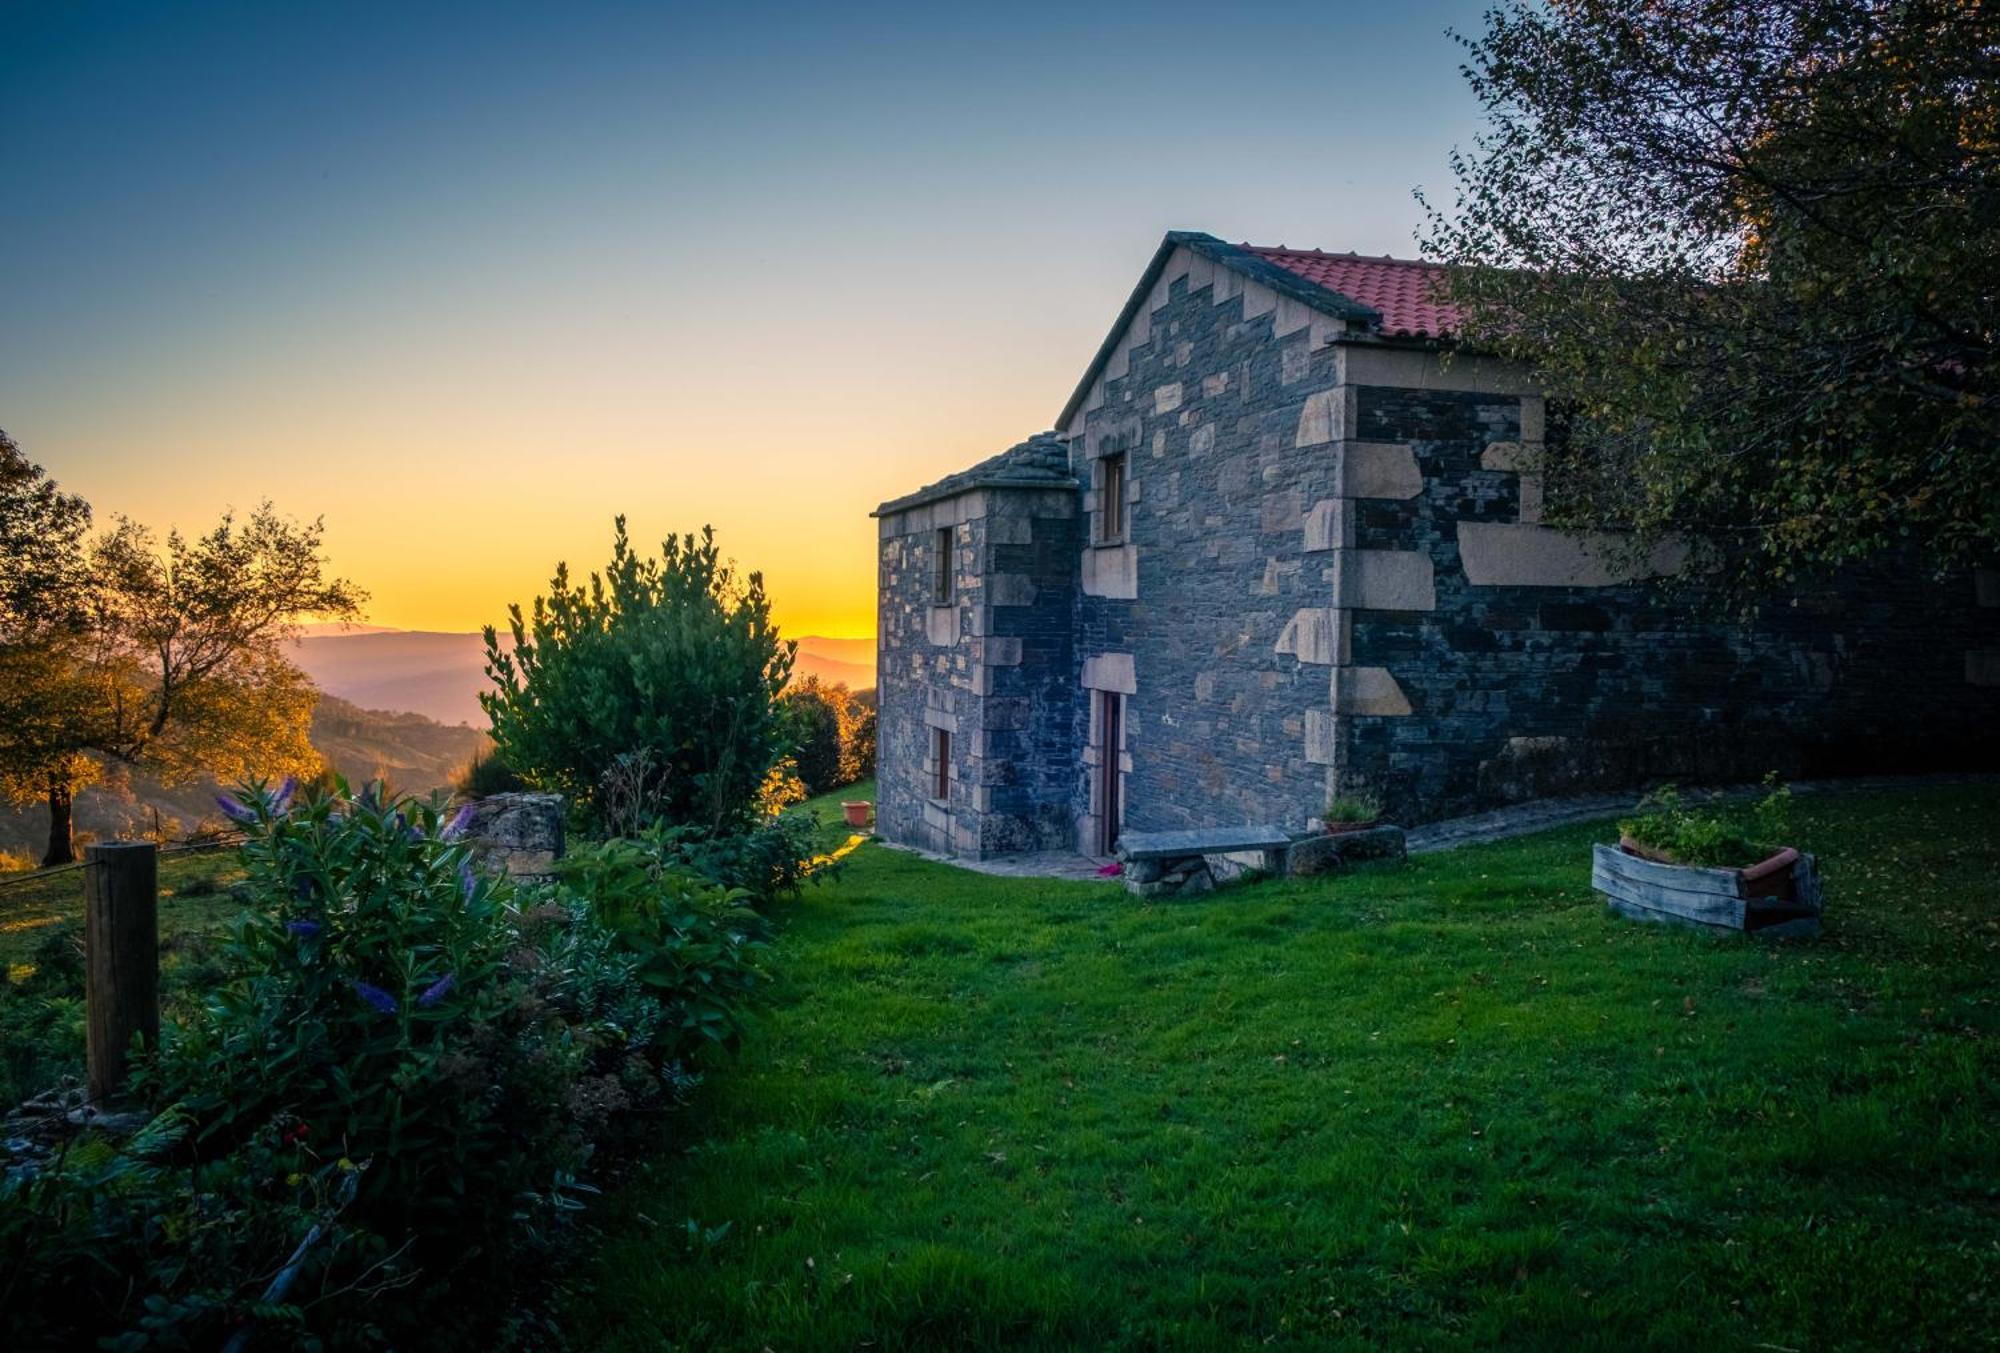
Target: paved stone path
1038	864
1524	818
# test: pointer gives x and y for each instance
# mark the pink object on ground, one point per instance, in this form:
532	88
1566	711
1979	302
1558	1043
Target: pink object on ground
1111	871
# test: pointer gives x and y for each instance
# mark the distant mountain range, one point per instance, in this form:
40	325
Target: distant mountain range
400	705
440	675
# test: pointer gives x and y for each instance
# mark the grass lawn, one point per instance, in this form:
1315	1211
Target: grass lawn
194	897
1447	1105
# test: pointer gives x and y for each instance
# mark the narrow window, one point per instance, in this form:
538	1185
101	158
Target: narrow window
941	778
1111	500
941	588
1110	800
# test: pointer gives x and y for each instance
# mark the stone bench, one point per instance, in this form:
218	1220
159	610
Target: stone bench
1158	864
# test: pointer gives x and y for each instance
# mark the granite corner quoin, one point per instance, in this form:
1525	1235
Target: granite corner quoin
1285	543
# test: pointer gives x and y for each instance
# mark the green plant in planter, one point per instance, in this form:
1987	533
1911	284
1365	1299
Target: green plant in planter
1353	810
1721	835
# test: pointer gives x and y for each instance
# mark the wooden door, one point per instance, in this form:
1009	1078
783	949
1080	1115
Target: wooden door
1110	806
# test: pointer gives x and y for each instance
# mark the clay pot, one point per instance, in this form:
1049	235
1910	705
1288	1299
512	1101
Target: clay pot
857	811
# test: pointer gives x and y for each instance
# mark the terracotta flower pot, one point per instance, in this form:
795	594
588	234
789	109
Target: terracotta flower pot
857	811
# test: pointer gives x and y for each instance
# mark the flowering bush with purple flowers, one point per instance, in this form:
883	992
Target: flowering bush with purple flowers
388	1018
372	997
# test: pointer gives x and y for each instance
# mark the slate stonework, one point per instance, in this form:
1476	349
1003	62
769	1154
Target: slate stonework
994	668
1520	692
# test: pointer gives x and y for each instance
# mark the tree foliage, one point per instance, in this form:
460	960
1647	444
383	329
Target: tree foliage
1754	250
169	656
824	720
672	659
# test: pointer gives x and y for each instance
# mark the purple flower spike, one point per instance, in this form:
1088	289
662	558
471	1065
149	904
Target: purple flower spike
233	810
467	880
283	798
435	991
303	927
376	997
459	822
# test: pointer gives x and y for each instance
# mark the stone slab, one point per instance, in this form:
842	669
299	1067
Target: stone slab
1200	841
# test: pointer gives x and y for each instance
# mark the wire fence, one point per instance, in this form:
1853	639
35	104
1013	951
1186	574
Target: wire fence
225	842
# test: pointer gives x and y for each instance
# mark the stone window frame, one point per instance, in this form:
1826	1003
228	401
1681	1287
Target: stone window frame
944	583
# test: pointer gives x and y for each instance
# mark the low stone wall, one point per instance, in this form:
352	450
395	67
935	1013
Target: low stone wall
517	835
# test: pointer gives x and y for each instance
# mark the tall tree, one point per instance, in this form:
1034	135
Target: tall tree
45	618
167	657
1754	251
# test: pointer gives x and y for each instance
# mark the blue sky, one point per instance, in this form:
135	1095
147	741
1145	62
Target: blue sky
453	275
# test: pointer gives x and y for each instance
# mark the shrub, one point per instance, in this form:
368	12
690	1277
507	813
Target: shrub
768	861
1720	835
98	1234
861	742
820	720
671	656
485	775
695	947
371	999
390	1056
41	1015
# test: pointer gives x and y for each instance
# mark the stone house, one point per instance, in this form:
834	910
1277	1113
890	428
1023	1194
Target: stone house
1283	543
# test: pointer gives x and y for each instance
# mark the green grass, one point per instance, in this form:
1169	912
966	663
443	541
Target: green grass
1444	1106
194	898
826	807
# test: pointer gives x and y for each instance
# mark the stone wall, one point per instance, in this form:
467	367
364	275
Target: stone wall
1537	663
1218	398
994	668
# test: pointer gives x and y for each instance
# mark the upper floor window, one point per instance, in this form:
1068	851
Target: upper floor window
941	576
1111	498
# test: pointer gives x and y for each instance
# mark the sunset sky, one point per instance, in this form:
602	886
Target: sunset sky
470	280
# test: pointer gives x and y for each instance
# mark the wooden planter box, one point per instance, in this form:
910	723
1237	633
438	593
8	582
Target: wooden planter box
1710	899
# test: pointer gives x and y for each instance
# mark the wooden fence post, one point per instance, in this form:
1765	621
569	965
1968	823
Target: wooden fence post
121	955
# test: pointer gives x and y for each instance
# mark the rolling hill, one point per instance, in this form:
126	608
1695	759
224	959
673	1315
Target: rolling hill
411	752
440	675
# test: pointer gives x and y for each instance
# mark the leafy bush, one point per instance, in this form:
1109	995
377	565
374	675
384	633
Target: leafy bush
1721	835
861	742
371	998
822	720
695	947
41	1015
672	656
404	1061
768	861
487	774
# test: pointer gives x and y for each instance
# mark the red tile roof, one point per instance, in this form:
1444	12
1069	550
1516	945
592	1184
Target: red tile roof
1408	294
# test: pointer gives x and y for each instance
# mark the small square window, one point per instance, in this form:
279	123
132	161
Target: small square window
1111	499
941	577
941	775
